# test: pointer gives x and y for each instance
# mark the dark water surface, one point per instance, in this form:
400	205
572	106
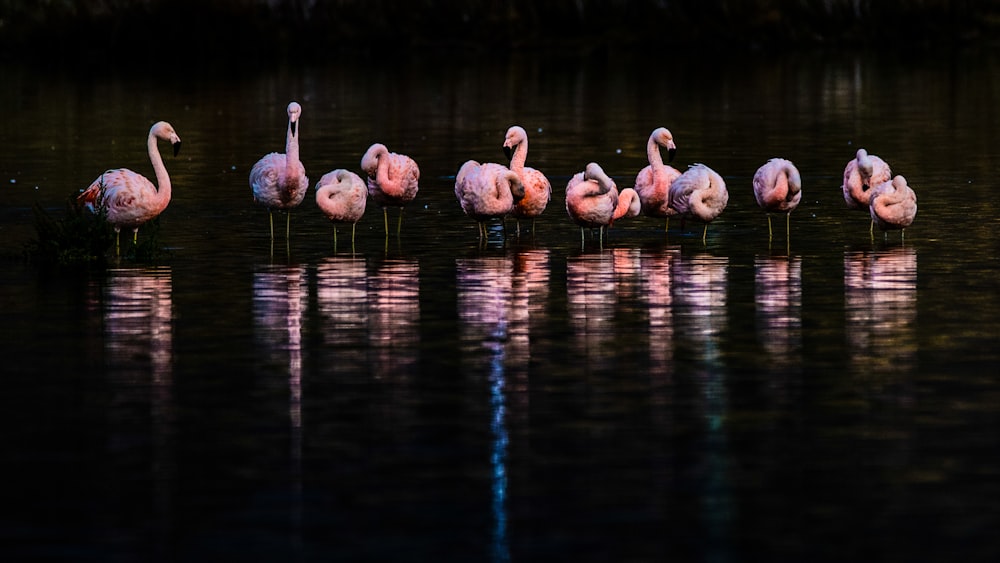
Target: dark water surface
823	398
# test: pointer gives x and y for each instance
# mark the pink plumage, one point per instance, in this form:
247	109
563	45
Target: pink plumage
278	180
129	199
537	188
652	183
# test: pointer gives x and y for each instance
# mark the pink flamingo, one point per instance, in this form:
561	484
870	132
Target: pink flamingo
392	180
592	200
487	191
278	180
537	188
893	205
777	186
652	183
129	198
861	174
342	196
699	192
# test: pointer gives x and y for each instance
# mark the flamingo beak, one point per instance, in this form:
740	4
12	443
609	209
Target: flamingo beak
508	151
177	148
671	152
292	126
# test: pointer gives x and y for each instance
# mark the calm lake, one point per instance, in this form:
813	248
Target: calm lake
820	397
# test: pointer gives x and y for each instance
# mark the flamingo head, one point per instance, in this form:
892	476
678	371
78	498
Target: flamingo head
294	112
515	136
165	132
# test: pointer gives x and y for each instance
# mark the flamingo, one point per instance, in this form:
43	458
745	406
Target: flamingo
893	205
537	188
392	180
777	186
700	193
342	196
486	191
652	183
129	198
861	174
278	180
592	200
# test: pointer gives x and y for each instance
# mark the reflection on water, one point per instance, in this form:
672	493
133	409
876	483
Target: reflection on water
591	299
342	297
280	295
394	337
657	287
880	304
778	295
700	295
138	320
499	300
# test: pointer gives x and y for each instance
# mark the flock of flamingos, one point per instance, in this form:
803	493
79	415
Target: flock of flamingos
489	190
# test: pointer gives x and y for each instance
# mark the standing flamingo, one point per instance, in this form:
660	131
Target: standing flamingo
487	191
652	183
537	188
129	198
862	173
777	186
342	196
893	205
592	200
278	180
392	180
700	193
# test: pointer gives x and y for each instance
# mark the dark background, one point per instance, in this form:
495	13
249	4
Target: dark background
102	30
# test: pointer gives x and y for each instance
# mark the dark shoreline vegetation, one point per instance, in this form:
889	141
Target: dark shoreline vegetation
101	30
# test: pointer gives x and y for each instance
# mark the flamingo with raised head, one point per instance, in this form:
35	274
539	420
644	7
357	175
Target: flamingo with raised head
487	191
777	187
129	199
278	180
342	196
652	183
701	193
892	206
862	173
537	188
392	180
593	201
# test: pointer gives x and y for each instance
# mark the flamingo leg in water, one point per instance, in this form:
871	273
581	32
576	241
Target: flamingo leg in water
770	234
704	234
399	224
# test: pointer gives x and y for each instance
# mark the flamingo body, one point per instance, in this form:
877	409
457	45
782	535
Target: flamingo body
860	175
393	179
537	188
128	198
701	193
777	187
486	191
342	196
629	205
893	205
652	183
278	180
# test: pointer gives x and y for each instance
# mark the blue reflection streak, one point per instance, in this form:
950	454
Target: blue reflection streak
498	457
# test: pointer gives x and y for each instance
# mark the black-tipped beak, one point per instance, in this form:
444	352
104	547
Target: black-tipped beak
177	148
509	152
670	154
293	125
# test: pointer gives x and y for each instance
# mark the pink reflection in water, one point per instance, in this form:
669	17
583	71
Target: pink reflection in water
880	302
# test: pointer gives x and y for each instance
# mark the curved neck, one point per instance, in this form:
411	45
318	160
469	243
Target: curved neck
654	157
162	179
520	155
382	172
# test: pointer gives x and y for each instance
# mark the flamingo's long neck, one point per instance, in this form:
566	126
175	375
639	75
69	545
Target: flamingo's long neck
382	172
520	155
162	178
655	158
292	151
